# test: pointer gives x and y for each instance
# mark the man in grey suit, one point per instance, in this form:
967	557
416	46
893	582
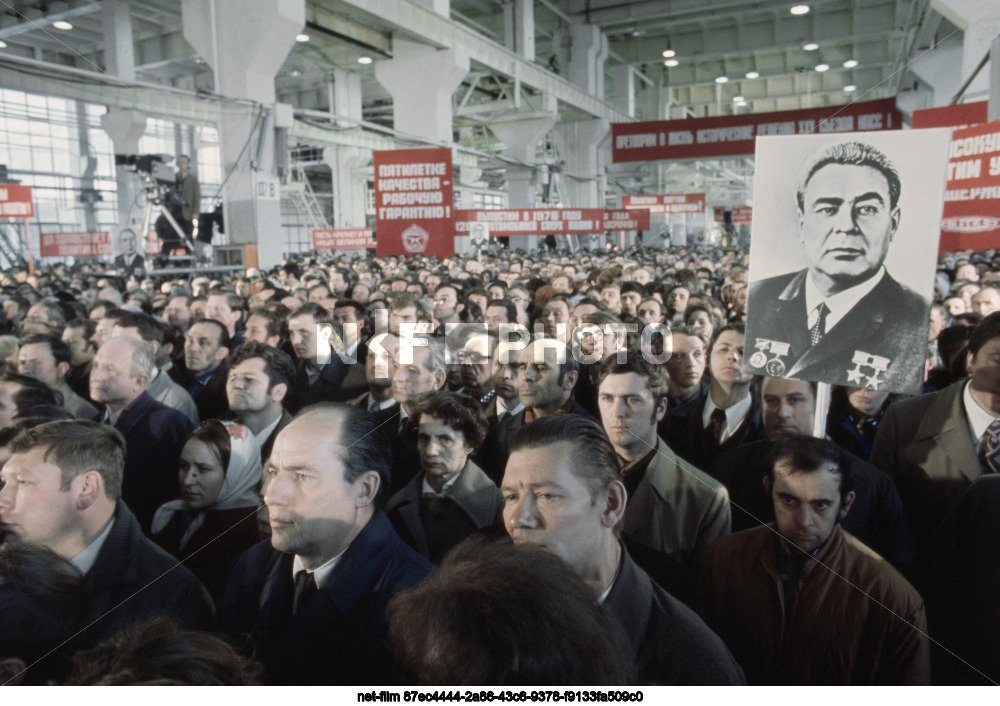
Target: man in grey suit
844	319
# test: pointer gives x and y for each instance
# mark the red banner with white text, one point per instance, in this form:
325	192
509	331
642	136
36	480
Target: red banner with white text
971	217
666	203
88	244
506	222
340	238
630	219
961	115
742	215
15	201
695	138
414	194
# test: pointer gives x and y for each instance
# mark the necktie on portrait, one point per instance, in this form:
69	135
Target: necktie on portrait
990	455
819	328
305	587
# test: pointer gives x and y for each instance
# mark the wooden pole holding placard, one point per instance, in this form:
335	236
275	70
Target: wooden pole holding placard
27	240
822	407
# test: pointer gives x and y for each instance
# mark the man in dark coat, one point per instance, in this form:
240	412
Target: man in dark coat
206	347
154	433
85	521
310	605
563	492
321	371
844	319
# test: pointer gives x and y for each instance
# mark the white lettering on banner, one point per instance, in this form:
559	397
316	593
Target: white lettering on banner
412	170
682	137
410	198
988	192
726	134
967	169
417	212
972	146
783	128
633	141
15	209
414	184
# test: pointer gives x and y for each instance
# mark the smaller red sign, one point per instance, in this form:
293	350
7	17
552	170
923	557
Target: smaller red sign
667	203
340	238
742	215
532	221
89	244
15	201
971	217
632	219
958	116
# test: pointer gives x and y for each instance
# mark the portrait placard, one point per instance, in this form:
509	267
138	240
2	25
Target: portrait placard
842	257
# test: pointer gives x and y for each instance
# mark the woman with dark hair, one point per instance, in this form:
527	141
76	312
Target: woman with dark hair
214	519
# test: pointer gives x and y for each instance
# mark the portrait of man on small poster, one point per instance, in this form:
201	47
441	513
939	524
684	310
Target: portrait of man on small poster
848	300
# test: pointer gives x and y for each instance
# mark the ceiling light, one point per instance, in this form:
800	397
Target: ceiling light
800	10
62	24
810	46
739	99
294	73
850	89
668	52
721	79
364	60
3	44
671	62
301	37
822	67
850	63
753	74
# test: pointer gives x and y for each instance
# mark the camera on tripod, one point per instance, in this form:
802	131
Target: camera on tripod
156	175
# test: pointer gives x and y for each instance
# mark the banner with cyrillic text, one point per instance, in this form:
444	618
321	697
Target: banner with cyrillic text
342	238
94	243
971	217
694	138
413	202
504	223
15	201
631	219
741	215
666	203
961	115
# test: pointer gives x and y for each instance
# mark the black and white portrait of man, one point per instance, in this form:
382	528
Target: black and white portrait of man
851	305
128	261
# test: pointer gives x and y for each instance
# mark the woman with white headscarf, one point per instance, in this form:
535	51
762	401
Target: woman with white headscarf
214	519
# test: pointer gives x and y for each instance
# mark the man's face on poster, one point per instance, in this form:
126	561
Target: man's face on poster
128	243
847	221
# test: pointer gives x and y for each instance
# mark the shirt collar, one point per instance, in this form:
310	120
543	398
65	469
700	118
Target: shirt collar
735	414
84	561
977	417
503	409
427	489
322	573
842	302
266	432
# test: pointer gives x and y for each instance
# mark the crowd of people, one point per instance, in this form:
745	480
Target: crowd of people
507	468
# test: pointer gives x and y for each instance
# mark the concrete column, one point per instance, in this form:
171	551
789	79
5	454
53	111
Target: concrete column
87	178
981	23
124	127
348	185
246	42
519	27
585	148
936	70
422	81
624	78
345	96
521	137
588	52
994	107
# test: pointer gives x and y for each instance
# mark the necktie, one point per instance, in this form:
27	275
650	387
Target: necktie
305	587
991	448
716	422
819	328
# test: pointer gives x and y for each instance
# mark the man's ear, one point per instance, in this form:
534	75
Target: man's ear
614	506
661	409
88	488
12	671
846	506
569	379
802	223
895	216
278	391
63	369
367	485
767	485
221	354
440	378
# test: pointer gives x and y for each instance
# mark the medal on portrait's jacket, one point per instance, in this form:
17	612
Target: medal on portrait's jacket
864	361
775	366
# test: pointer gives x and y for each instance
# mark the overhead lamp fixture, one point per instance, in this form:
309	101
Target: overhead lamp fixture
799	10
753	74
671	63
3	44
668	52
364	60
62	24
850	88
739	99
850	63
822	67
810	46
722	79
294	73
301	37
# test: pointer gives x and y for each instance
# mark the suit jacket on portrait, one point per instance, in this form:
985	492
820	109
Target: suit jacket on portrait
338	636
889	322
925	445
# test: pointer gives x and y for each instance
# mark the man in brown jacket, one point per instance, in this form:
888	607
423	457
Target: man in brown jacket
800	601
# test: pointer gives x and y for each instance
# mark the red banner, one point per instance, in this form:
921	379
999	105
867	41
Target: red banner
413	202
632	219
971	217
504	223
15	201
338	238
742	215
961	115
666	203
92	243
693	138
